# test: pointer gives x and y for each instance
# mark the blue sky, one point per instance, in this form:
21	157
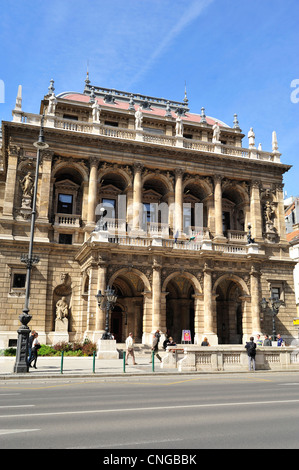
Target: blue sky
235	57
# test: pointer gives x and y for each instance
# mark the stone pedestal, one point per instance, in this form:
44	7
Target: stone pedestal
106	349
61	331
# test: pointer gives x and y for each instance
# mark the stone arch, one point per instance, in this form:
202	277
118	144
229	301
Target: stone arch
167	182
181	309
110	170
131	285
232	277
230	292
204	185
69	165
235	205
194	281
147	285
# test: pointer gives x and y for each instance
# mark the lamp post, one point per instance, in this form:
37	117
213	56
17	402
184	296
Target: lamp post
274	307
108	300
21	364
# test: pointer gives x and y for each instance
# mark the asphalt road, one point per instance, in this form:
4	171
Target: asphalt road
234	411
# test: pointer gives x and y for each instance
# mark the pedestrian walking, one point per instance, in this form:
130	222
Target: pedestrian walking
31	338
155	345
130	349
35	347
251	352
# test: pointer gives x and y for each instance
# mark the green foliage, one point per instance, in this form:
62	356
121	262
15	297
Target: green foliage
87	348
47	351
8	352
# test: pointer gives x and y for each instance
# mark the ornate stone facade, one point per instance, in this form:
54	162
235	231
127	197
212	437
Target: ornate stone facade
180	192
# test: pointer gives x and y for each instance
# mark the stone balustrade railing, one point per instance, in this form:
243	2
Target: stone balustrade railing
230	358
140	135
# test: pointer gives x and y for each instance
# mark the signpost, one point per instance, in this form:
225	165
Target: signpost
186	336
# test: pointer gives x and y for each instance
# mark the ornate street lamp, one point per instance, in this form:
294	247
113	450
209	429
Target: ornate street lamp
21	364
274	309
108	300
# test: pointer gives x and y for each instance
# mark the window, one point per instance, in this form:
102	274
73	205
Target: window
188	217
65	204
18	281
65	239
111	123
71	117
277	290
110	206
275	293
226	221
149	213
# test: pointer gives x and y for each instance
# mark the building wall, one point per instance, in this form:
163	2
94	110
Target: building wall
209	279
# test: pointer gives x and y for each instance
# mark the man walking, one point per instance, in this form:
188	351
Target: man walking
130	349
155	345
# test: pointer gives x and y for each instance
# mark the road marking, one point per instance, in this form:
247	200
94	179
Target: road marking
9	394
118	444
3	432
17	406
154	408
291	383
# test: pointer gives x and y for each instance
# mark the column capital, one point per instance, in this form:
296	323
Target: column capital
138	167
178	172
218	178
94	161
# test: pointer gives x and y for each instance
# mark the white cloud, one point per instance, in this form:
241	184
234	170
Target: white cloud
191	14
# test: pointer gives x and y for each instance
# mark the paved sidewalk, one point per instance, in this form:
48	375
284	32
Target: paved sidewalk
81	366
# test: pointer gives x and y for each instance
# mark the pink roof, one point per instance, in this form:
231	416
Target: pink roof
154	111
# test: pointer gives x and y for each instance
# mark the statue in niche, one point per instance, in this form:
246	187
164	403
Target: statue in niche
179	126
96	111
138	118
216	132
27	185
62	309
269	212
52	104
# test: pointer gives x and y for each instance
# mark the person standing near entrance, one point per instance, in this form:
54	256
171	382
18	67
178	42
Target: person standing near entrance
251	352
155	345
130	349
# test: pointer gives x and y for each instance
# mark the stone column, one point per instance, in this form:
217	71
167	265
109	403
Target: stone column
92	191
137	196
255	211
209	324
178	212
45	187
10	183
156	296
147	318
101	285
92	301
280	214
255	300
198	300
218	208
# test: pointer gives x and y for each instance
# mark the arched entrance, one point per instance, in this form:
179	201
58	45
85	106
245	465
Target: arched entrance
116	323
230	292
127	316
180	308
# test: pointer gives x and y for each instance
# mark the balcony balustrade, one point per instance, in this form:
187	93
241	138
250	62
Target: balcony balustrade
140	135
